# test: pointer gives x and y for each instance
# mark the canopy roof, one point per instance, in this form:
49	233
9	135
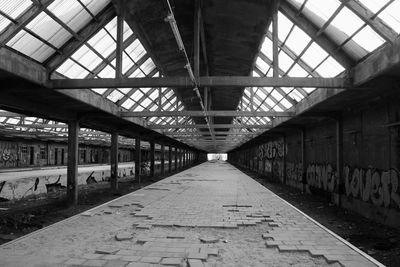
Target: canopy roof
77	39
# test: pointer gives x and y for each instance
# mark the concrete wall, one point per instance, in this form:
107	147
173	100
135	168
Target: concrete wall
368	183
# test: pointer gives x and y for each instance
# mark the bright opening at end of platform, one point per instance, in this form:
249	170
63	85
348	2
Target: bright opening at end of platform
219	156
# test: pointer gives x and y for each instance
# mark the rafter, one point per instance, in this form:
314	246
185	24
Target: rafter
211	81
372	20
23	20
324	41
81	37
214	113
204	126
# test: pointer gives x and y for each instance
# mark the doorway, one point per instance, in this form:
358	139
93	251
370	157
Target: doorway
31	155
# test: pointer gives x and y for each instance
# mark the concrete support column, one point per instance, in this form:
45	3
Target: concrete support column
72	167
181	159
303	159
176	159
284	160
114	161
162	157
339	160
152	158
170	159
138	159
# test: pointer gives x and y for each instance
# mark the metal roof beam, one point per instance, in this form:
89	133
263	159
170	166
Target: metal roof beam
211	81
215	126
372	20
214	113
324	41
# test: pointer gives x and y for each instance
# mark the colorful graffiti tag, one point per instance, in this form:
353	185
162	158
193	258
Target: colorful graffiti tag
378	186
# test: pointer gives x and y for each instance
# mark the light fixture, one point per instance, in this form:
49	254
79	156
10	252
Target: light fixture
174	27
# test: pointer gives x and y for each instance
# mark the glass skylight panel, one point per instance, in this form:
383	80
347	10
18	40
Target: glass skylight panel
266	47
125	90
107	72
137	95
154	95
368	39
277	108
256	101
324	10
75	20
276	95
286	103
115	95
135	50
14	8
4	22
128	103
126	63
138	73
72	70
95	6
87	57
100	91
296	95
297	71
330	68
314	55
146	102
138	108
285	62
269	102
374	5
309	90
12	121
347	22
297	40
148	66
29	45
262	65
111	28
127	31
49	30
103	43
391	15
261	94
284	26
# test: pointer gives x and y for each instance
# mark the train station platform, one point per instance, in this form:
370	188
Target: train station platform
208	215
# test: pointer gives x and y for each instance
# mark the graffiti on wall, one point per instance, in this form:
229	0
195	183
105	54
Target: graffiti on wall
322	176
378	186
294	173
7	156
272	150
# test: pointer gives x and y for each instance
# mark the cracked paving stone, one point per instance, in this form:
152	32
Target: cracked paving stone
123	236
195	263
209	239
172	261
106	250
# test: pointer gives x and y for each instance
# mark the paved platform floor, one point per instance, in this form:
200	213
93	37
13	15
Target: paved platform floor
209	215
